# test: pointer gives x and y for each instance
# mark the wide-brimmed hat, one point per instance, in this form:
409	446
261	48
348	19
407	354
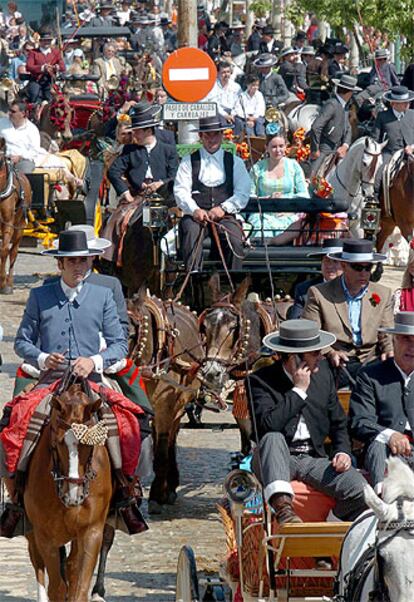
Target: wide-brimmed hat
265	60
381	53
358	251
308	50
399	94
349	82
144	115
213	124
72	243
93	241
403	324
105	6
340	48
287	51
46	34
268	30
298	336
329	245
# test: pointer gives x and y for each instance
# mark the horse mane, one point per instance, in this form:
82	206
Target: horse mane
250	312
399	481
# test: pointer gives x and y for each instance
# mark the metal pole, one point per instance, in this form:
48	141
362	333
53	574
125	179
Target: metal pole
187	34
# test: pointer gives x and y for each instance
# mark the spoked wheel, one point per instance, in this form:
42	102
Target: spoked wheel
187	580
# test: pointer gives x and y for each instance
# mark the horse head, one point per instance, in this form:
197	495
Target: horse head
370	163
231	331
141	342
395	532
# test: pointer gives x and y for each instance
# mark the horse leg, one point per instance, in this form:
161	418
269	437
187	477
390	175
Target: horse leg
245	428
57	589
387	227
81	563
98	592
173	476
5	249
14	249
158	492
39	568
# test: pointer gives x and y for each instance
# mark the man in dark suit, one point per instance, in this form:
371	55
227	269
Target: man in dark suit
408	77
296	407
293	72
268	44
382	403
43	64
330	269
336	64
272	85
151	164
396	125
331	132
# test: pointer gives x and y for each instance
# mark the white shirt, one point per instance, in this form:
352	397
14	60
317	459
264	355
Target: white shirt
71	293
23	141
385	435
250	105
399	114
225	98
211	174
123	16
149	147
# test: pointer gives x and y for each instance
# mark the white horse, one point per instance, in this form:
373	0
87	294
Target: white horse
378	551
302	116
353	178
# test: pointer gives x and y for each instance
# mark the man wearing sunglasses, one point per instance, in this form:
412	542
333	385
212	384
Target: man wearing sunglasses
353	309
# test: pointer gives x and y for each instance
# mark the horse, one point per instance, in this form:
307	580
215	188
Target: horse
353	177
55	117
401	196
15	200
67	496
233	328
377	552
301	116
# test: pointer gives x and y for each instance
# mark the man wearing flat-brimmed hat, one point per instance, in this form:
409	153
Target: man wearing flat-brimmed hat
295	406
383	72
382	403
268	44
271	85
331	132
292	71
353	309
396	125
211	186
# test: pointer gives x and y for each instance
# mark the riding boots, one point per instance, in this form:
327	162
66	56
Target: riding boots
283	508
10	519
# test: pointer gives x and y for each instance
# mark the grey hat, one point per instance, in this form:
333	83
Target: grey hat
329	245
265	60
403	324
399	94
298	336
144	115
358	251
308	50
381	53
213	124
287	51
347	81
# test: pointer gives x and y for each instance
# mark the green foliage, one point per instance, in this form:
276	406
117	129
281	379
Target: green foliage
261	7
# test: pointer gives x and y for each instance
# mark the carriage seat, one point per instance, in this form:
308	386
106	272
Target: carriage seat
80	98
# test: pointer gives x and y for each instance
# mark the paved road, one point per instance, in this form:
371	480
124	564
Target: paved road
142	567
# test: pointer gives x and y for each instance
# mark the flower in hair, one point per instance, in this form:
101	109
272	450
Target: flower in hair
273	128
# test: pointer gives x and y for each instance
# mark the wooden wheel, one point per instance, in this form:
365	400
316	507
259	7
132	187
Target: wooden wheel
187	580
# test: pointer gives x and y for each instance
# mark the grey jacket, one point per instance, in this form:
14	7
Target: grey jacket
331	128
274	89
398	133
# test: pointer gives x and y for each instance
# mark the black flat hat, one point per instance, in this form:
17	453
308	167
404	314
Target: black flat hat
298	336
358	251
144	115
73	243
213	124
329	245
268	31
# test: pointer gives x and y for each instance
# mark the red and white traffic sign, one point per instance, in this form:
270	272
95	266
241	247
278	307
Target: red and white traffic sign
189	74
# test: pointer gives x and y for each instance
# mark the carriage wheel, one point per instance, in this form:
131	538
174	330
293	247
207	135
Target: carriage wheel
187	580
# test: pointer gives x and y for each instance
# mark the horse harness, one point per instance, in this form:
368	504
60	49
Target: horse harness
371	559
371	172
13	184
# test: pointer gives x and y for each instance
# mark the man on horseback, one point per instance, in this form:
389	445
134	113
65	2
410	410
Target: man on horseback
395	124
63	327
211	187
272	85
382	403
330	133
296	407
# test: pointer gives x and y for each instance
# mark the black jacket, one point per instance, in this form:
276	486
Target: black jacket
277	408
398	133
331	128
379	401
273	89
133	165
301	291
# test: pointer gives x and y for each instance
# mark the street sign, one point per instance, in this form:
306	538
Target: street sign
188	111
189	74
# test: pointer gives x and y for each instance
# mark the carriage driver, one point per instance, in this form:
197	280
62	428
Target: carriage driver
63	324
211	187
296	408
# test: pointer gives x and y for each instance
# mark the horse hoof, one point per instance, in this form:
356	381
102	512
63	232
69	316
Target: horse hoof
172	498
6	290
97	598
154	507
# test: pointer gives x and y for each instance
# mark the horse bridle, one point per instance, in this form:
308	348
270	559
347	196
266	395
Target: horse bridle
372	168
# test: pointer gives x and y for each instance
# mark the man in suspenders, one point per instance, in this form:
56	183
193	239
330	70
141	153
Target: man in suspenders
211	187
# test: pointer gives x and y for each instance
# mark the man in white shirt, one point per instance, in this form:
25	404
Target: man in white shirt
382	403
211	187
250	109
22	138
225	92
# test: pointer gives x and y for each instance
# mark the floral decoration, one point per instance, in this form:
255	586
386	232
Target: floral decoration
375	299
321	187
273	128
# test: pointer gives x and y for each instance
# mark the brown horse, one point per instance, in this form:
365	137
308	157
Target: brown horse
67	498
402	205
15	199
55	117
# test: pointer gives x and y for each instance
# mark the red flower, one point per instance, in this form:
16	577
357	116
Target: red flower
374	299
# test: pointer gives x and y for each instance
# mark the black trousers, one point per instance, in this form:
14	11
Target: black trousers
189	232
39	90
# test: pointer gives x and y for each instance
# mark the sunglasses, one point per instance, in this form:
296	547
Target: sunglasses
16	111
360	267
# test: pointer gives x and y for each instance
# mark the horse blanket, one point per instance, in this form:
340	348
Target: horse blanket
32	410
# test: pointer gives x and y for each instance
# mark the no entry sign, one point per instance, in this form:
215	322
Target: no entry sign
189	74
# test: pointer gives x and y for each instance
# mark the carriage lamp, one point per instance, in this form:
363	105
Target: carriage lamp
370	218
240	486
154	213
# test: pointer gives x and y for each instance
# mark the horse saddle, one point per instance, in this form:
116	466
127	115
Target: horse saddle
389	174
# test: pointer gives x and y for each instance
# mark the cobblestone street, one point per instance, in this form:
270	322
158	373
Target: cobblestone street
142	567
